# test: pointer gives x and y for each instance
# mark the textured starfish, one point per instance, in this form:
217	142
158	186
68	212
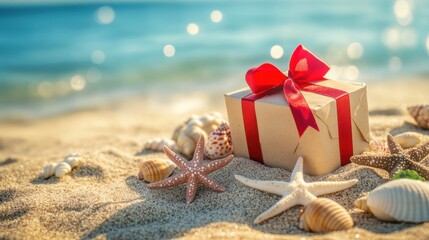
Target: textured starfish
294	192
194	172
398	159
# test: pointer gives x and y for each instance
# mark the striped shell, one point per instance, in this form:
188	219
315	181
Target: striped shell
62	169
402	200
408	139
48	170
420	113
324	215
154	170
378	145
219	144
157	144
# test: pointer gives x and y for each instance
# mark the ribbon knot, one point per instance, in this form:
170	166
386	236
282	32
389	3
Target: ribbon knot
304	67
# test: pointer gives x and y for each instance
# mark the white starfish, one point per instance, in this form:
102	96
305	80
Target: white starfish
294	192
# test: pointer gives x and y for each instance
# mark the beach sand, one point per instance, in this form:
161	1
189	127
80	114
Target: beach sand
103	198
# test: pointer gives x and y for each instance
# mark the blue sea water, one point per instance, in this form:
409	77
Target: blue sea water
50	54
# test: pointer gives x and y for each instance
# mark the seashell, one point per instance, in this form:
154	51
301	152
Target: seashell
154	170
187	134
378	145
408	139
324	215
48	170
62	169
402	200
73	160
157	144
420	113
219	143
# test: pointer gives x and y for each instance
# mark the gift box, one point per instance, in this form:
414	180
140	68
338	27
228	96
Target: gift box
282	116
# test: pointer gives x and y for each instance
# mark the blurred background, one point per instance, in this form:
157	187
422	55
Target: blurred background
58	55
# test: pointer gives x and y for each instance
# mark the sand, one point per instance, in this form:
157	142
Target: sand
103	198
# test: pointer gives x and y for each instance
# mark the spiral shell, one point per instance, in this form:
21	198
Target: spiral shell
420	113
219	143
73	160
324	215
402	200
62	169
157	144
408	139
187	134
48	170
154	170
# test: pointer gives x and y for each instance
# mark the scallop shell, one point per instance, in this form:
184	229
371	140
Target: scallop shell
62	169
73	160
324	215
48	170
420	113
219	143
408	139
187	134
402	200
157	144
154	170
378	145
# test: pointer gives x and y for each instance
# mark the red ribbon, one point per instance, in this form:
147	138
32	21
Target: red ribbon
304	69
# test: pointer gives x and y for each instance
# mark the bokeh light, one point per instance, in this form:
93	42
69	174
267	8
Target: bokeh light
216	16
391	38
355	50
105	15
276	52
98	57
427	44
395	64
192	29
403	13
169	50
77	82
351	73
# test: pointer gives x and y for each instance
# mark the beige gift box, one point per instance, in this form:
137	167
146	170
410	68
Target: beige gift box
280	142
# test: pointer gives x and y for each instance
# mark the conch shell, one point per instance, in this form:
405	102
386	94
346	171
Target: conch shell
48	170
157	144
324	215
154	170
219	143
62	169
187	134
408	139
420	113
402	200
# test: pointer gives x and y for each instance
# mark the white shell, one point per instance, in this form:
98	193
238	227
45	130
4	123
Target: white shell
62	169
187	134
157	144
73	160
324	215
48	170
219	143
402	200
408	139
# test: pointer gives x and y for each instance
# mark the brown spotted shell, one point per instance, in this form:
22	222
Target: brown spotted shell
219	143
154	170
420	113
324	215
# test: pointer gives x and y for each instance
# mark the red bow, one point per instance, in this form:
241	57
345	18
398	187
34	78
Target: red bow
304	67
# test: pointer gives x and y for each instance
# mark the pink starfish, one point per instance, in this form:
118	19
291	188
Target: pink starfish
194	172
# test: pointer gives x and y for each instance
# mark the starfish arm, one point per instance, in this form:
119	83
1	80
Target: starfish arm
216	164
386	162
320	188
211	183
199	151
299	168
169	182
276	187
419	153
182	163
281	206
191	189
420	169
397	168
394	147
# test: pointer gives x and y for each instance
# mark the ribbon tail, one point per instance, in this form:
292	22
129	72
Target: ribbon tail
301	112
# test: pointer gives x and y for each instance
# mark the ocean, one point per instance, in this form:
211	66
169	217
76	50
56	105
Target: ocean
55	58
